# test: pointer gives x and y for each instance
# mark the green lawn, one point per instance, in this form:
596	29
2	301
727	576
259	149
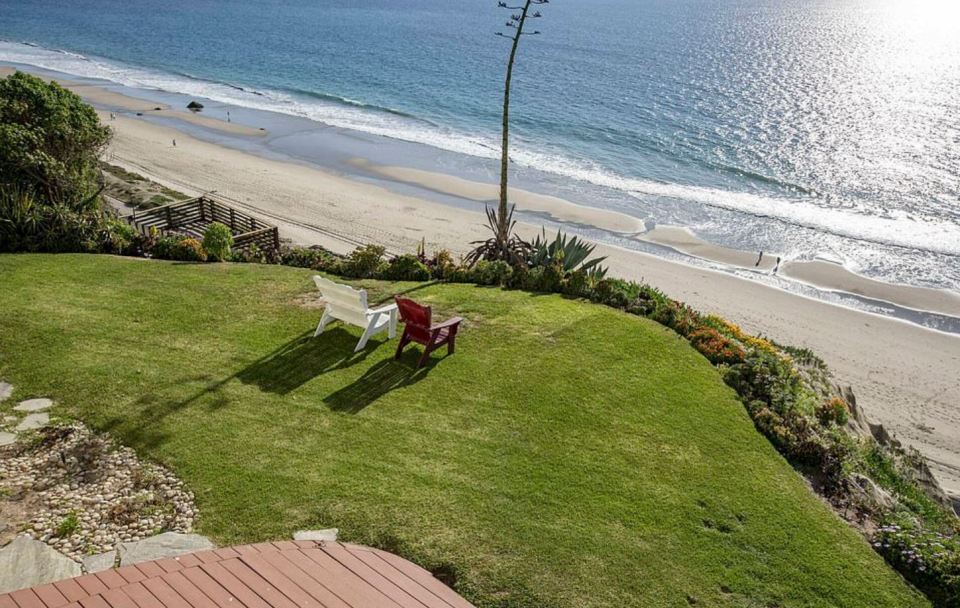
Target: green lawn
567	455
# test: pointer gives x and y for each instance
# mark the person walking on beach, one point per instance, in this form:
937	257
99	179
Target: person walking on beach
174	143
228	115
777	267
759	259
113	116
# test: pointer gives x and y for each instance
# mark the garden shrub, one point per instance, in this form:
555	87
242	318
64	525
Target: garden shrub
546	279
717	348
163	246
616	293
365	262
406	268
833	411
930	559
492	273
577	283
315	258
217	242
188	250
50	141
462	274
442	264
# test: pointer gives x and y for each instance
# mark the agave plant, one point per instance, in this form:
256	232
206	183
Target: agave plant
568	252
504	245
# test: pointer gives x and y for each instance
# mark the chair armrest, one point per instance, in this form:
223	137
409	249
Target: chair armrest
448	323
382	309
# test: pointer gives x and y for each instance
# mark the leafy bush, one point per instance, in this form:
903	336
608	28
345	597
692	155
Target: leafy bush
928	559
67	526
120	238
442	264
50	141
217	241
406	268
179	248
365	262
615	293
833	411
315	258
717	348
492	273
189	250
49	177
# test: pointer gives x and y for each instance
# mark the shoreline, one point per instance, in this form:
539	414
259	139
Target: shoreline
902	373
938	308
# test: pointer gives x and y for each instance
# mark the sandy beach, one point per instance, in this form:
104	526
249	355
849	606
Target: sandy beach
905	376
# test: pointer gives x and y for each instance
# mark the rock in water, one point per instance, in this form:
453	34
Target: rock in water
26	563
194	105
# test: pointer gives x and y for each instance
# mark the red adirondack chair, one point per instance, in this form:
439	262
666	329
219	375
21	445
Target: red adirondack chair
419	328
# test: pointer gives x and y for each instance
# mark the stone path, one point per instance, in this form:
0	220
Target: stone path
35	410
34	405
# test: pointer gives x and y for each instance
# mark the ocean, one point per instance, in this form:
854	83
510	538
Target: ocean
822	129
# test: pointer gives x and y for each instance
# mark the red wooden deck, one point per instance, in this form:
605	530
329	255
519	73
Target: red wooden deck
293	574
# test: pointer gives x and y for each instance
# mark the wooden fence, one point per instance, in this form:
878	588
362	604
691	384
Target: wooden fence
191	217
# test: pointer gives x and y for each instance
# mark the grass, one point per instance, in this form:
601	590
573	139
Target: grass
567	455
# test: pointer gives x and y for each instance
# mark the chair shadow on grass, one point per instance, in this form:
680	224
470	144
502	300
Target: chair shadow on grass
281	371
305	358
382	378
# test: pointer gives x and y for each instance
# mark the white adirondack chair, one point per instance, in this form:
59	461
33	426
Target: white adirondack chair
349	305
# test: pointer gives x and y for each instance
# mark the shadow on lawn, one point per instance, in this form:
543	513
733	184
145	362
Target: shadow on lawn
303	359
281	371
379	380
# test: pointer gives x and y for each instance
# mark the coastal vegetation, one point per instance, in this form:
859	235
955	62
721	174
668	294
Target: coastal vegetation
605	463
50	144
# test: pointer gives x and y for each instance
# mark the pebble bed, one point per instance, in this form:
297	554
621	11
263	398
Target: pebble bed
93	494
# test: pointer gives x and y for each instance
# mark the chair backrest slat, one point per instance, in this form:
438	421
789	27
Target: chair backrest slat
414	314
342	296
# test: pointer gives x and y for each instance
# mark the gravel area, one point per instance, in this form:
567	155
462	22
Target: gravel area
89	494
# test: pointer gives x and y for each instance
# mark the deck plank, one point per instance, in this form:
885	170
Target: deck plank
280	574
185	589
211	588
240	590
71	590
295	584
424	595
142	596
26	598
50	596
165	594
269	590
423	577
338	579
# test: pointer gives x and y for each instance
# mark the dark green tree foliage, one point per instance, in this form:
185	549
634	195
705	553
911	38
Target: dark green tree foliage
50	142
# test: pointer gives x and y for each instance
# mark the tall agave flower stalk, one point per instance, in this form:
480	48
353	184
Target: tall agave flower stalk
504	245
